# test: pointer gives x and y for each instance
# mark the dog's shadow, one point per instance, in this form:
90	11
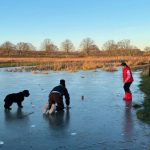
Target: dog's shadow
17	115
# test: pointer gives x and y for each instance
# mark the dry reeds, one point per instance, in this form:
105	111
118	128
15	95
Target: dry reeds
74	64
110	67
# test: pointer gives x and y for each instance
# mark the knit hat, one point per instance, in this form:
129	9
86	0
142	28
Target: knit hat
62	82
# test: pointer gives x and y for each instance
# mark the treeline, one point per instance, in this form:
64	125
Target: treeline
67	48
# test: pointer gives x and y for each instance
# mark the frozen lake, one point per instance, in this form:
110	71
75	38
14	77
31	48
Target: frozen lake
98	122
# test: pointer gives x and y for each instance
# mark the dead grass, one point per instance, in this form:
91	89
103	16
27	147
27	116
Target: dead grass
130	59
73	64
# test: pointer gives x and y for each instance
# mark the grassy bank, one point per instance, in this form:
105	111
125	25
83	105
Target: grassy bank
72	64
17	64
59	66
144	113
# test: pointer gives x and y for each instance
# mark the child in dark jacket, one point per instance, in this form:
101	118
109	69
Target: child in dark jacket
56	97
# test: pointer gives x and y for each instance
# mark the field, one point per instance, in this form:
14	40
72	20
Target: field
73	64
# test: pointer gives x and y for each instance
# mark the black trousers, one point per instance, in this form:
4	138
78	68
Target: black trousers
127	87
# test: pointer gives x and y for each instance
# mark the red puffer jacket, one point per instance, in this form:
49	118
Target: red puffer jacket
127	74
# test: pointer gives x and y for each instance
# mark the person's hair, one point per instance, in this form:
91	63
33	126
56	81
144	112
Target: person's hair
123	63
62	82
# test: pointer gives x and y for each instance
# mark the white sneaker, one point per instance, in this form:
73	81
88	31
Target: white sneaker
52	109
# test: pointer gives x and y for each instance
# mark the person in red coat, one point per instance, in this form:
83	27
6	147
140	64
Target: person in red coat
127	79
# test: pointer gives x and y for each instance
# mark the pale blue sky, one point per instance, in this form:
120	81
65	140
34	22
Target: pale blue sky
101	20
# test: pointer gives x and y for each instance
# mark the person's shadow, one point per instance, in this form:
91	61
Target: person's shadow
59	120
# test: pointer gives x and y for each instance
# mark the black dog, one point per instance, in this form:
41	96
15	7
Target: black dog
15	98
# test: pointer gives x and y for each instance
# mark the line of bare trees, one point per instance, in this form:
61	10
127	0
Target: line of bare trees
87	46
67	46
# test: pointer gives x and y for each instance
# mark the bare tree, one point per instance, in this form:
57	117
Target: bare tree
124	44
94	48
147	49
109	45
47	45
67	46
7	46
25	46
86	45
31	47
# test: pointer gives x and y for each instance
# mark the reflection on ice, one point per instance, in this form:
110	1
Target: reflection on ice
73	133
12	116
33	126
128	124
58	120
1	142
128	104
